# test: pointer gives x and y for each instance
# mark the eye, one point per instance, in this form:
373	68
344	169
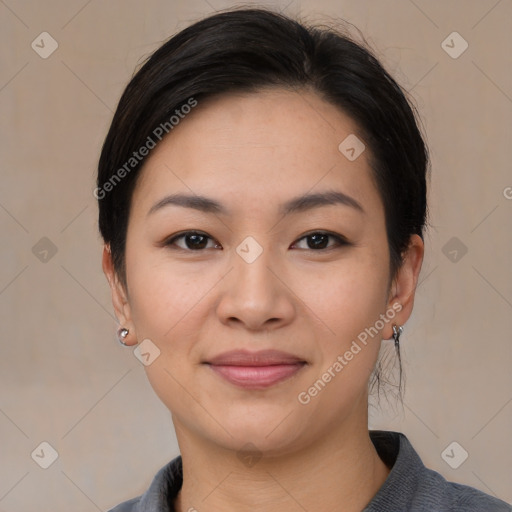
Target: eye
197	241
193	241
318	240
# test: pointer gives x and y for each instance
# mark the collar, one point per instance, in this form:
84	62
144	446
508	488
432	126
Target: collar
393	448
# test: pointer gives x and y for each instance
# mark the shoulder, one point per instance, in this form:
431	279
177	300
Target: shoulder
411	487
469	499
161	493
127	506
440	494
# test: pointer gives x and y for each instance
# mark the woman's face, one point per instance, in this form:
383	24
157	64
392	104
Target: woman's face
260	276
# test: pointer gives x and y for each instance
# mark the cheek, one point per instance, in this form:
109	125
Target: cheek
359	301
350	351
167	308
164	299
348	296
349	305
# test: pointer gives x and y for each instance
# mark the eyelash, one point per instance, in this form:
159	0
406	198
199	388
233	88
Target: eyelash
340	240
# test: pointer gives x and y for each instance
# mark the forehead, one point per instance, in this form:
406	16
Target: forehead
251	147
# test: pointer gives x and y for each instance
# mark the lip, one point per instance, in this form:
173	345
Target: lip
255	370
260	358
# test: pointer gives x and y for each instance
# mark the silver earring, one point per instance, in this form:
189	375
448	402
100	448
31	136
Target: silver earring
396	334
121	335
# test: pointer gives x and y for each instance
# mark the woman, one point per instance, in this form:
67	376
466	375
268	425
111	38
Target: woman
262	199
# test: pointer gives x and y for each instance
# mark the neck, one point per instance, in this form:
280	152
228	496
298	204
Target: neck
338	471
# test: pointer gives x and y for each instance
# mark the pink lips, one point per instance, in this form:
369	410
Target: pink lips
255	370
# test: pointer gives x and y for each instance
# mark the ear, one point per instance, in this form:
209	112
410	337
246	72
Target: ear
403	287
119	296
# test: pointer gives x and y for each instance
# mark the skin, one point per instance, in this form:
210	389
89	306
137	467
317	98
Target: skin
252	152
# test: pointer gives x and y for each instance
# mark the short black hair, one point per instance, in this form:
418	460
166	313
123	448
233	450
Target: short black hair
247	50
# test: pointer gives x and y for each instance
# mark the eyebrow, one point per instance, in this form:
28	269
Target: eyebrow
298	204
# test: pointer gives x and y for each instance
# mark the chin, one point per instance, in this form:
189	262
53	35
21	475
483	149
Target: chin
271	431
256	440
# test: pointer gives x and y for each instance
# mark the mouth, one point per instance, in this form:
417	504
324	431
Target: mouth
255	370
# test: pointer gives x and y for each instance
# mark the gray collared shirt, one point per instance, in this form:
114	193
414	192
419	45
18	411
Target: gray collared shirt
409	487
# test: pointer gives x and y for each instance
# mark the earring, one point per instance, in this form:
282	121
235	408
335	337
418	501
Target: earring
121	335
396	335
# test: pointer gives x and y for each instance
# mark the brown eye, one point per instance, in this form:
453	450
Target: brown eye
320	240
192	241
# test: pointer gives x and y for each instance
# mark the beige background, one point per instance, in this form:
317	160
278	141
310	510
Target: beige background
64	378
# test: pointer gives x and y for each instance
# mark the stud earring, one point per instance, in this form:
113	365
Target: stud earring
122	333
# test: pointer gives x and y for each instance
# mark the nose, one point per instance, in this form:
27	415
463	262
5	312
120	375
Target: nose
255	295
